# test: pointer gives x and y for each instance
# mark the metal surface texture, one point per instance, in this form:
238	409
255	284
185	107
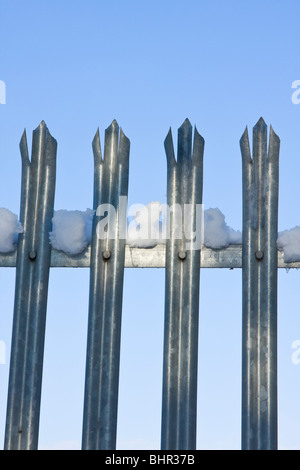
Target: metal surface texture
106	290
182	266
31	289
259	260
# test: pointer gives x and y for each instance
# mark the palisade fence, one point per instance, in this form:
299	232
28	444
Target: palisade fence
107	256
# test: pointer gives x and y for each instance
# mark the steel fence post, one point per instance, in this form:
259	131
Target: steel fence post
31	291
259	266
106	291
184	189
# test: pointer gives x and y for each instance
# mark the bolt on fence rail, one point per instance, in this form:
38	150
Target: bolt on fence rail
107	257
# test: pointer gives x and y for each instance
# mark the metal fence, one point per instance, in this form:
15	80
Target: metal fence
108	256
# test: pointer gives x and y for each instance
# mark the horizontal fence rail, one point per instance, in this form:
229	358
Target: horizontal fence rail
225	258
107	256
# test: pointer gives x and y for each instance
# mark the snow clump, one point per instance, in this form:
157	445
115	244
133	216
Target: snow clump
217	234
289	242
10	228
71	230
145	227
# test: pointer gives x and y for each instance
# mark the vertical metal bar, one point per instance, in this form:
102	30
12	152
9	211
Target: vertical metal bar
259	258
31	290
184	188
106	292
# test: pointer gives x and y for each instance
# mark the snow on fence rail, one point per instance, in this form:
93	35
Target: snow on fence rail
70	239
41	238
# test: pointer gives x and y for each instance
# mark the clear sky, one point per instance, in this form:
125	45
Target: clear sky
151	64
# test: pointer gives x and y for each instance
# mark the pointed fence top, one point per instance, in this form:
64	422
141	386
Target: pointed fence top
96	146
41	128
260	122
198	147
24	148
113	127
260	126
121	146
260	134
50	141
187	150
185	128
169	148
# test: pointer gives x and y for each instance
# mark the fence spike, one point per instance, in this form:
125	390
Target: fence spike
259	262
274	144
184	150
198	147
124	147
31	288
179	396
97	148
245	147
261	123
24	148
169	149
105	302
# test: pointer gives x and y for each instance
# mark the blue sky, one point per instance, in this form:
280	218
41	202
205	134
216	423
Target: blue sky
79	65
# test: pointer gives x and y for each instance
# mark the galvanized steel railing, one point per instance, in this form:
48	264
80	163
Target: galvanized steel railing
107	257
259	261
32	274
106	293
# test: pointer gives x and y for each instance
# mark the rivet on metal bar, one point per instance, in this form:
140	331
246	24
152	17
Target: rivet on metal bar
31	289
179	401
259	341
106	255
259	255
32	255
